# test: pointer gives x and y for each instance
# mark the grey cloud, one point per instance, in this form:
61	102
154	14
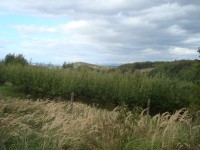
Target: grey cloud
100	7
123	30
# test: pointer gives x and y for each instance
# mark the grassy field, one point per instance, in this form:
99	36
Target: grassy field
53	125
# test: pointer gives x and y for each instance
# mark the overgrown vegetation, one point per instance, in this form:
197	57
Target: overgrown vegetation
169	85
198	72
15	59
132	67
45	124
166	94
7	89
52	124
184	70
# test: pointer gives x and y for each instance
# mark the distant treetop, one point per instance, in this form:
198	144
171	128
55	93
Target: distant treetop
15	59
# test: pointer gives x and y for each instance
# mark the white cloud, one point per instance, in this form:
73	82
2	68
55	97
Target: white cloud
194	40
182	51
74	26
176	30
33	29
60	7
167	12
116	30
150	51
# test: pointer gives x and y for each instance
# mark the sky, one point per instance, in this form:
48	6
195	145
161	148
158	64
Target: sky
100	31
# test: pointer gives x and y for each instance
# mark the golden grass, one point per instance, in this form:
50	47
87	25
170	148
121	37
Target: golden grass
57	126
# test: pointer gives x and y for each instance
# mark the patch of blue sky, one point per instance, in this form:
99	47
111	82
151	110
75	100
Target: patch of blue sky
9	19
19	18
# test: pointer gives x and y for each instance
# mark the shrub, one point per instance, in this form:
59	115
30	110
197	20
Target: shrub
15	59
133	90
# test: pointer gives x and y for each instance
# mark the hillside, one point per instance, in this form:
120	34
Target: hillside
53	122
89	66
182	69
85	66
112	87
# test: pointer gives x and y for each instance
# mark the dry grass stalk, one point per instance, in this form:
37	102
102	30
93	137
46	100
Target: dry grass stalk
91	128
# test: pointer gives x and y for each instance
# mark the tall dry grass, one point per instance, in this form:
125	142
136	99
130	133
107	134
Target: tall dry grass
44	124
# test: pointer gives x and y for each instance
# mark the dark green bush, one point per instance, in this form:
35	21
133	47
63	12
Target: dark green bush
133	90
15	59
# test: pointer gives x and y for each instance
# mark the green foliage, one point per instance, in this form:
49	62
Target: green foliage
195	105
7	89
67	65
132	67
184	70
133	90
2	73
198	68
15	59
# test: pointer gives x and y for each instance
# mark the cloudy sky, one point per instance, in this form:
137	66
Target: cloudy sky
100	31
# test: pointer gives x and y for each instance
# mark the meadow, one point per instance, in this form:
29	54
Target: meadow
43	125
109	111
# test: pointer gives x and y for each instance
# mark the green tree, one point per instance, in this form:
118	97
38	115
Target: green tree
67	65
195	96
15	59
198	69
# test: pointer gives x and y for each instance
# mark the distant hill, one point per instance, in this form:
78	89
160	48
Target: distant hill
87	66
181	69
141	66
